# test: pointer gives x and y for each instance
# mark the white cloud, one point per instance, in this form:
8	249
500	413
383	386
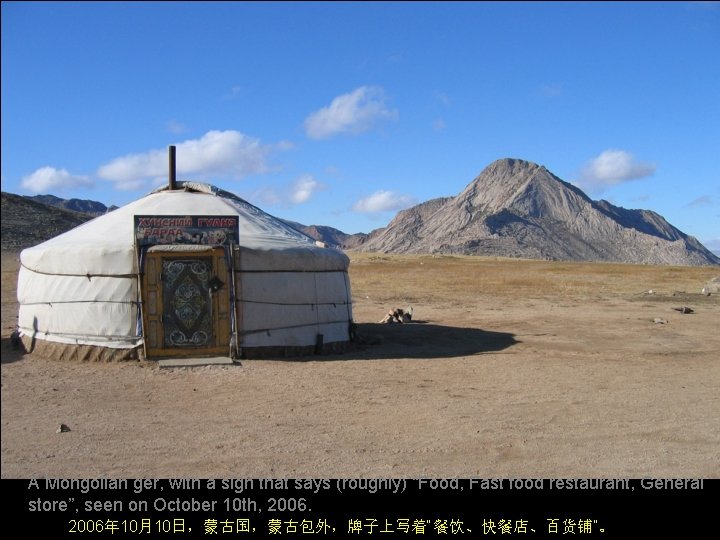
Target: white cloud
383	201
438	125
299	192
613	167
49	178
353	113
304	188
222	153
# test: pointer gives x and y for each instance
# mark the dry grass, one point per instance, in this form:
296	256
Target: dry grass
452	279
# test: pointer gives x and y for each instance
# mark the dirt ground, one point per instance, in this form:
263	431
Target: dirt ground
512	368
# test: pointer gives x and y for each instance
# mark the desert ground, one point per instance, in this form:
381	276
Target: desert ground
511	368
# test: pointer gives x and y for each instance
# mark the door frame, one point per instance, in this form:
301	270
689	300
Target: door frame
153	302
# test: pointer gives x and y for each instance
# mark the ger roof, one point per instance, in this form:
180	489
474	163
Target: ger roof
106	244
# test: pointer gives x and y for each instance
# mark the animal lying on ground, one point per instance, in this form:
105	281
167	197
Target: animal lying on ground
398	315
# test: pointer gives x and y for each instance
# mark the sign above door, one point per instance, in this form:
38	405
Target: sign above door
196	230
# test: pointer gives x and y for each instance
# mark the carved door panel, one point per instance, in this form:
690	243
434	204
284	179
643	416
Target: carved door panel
186	304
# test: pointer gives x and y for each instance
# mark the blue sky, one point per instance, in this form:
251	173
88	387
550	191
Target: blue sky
343	113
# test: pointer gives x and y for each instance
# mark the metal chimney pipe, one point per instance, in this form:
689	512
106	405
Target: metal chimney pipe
171	164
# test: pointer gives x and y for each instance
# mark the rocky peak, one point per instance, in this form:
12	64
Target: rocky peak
521	187
519	208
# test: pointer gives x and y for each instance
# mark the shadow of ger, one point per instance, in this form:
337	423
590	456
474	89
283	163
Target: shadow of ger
421	339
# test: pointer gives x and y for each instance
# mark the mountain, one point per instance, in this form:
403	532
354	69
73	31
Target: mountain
27	222
77	205
516	208
328	235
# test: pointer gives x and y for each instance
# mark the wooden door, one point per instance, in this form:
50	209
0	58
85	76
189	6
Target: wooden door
186	304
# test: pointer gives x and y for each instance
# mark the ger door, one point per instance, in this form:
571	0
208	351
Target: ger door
186	303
